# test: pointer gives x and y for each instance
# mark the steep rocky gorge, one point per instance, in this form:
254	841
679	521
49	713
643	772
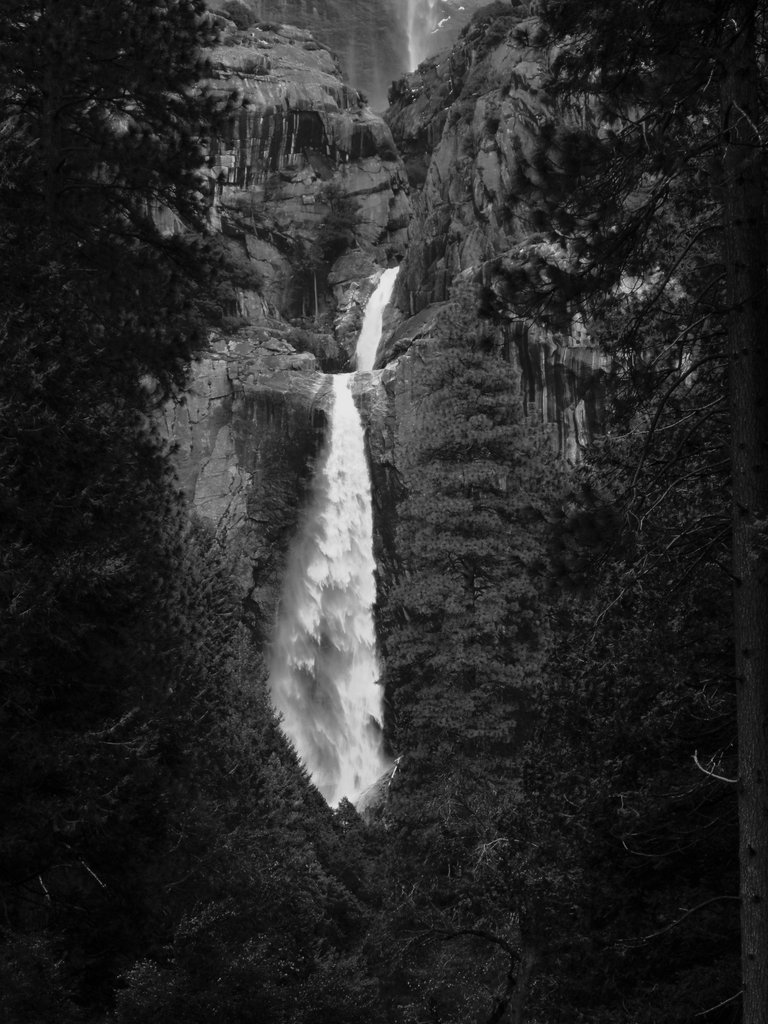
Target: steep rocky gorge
308	188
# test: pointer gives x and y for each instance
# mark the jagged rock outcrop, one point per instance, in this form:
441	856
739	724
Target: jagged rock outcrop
467	124
352	279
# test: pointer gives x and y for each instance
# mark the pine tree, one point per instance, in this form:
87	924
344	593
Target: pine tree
107	192
100	311
162	853
466	642
674	88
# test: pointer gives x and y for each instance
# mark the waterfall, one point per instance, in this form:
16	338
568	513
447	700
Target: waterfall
421	22
324	669
370	333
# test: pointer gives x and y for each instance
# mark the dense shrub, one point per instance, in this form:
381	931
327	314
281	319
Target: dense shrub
239	13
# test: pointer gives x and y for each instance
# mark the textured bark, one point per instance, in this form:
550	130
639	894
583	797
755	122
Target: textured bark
747	260
510	1004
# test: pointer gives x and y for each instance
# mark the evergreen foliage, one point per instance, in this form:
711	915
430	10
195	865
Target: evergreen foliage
159	839
466	646
103	199
652	220
639	688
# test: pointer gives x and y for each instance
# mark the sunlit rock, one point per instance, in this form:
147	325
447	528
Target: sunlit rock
300	139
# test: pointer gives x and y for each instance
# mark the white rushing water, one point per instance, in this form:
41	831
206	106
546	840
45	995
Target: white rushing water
370	333
324	670
421	21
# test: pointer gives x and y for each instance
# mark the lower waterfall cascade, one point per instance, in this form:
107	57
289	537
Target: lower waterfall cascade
324	671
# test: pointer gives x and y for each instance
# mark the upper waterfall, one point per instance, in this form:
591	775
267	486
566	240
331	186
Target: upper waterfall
421	21
370	333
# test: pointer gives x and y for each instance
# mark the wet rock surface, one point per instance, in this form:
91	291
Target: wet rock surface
303	151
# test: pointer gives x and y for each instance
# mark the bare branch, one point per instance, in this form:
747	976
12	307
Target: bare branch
730	999
93	874
45	889
708	771
686	915
659	409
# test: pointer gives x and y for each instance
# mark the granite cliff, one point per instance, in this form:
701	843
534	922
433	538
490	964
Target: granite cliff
305	171
376	41
467	126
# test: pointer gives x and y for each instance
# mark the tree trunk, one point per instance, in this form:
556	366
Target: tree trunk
510	1003
746	263
524	974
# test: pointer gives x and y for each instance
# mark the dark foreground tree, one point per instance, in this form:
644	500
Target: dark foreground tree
162	854
637	714
104	183
677	92
100	310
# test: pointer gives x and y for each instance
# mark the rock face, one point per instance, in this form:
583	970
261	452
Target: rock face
305	168
376	41
368	39
252	421
467	124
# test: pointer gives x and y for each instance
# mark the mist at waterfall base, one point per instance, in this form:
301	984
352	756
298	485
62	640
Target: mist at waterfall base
324	670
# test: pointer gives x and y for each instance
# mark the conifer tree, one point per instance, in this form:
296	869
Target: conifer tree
101	308
162	854
466	642
673	87
109	124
